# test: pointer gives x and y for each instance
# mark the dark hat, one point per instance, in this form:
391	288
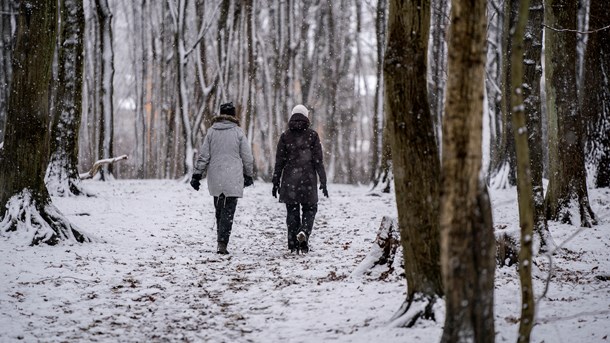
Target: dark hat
227	109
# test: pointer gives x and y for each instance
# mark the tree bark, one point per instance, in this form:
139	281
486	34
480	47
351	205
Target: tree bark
524	181
503	173
106	86
25	204
62	173
377	135
467	239
8	11
532	69
414	151
567	178
595	103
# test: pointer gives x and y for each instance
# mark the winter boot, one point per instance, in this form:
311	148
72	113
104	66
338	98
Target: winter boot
222	248
303	245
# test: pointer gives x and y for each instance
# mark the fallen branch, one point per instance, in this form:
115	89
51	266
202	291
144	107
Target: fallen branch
97	165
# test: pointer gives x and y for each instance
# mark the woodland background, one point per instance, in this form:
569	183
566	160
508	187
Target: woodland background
435	101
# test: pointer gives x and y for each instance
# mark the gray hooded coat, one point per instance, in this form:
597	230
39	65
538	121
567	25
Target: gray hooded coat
226	156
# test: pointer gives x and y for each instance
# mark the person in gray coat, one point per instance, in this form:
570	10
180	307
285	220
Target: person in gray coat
227	159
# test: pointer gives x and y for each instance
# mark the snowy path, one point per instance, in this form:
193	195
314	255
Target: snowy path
156	277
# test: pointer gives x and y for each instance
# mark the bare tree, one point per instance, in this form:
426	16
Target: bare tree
503	164
8	25
381	156
415	155
567	188
532	73
595	102
25	202
467	239
62	173
524	180
106	117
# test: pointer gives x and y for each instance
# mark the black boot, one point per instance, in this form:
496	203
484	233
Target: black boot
222	248
303	242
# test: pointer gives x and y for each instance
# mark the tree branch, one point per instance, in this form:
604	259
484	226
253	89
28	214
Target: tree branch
97	165
576	31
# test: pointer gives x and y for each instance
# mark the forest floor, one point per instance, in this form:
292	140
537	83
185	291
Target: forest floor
154	276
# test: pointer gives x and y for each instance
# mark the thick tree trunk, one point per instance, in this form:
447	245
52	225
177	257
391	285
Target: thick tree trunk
467	239
414	152
595	103
25	204
524	180
62	173
567	177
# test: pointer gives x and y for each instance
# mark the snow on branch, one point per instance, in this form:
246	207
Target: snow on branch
97	165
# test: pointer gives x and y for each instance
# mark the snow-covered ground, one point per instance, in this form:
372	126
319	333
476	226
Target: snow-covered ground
154	276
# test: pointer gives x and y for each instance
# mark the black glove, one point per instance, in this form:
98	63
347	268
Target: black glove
324	190
248	181
195	181
274	191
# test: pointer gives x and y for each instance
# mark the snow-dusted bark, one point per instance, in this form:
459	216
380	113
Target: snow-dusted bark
567	195
524	181
25	205
595	102
62	173
414	155
532	73
437	61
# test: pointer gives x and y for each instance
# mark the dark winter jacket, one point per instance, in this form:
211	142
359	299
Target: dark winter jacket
299	162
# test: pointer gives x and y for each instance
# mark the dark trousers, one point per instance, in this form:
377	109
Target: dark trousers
297	223
225	211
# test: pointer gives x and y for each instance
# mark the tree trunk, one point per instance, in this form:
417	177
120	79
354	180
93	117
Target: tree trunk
106	127
567	180
377	135
438	62
532	69
524	180
62	173
503	173
414	153
8	11
25	204
467	239
595	103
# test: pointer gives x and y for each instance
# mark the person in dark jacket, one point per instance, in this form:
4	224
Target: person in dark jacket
298	163
227	159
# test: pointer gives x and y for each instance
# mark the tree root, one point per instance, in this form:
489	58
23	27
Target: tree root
37	223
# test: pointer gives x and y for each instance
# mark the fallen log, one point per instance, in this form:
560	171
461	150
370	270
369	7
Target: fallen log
97	165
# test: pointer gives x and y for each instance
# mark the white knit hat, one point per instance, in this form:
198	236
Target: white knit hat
301	109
